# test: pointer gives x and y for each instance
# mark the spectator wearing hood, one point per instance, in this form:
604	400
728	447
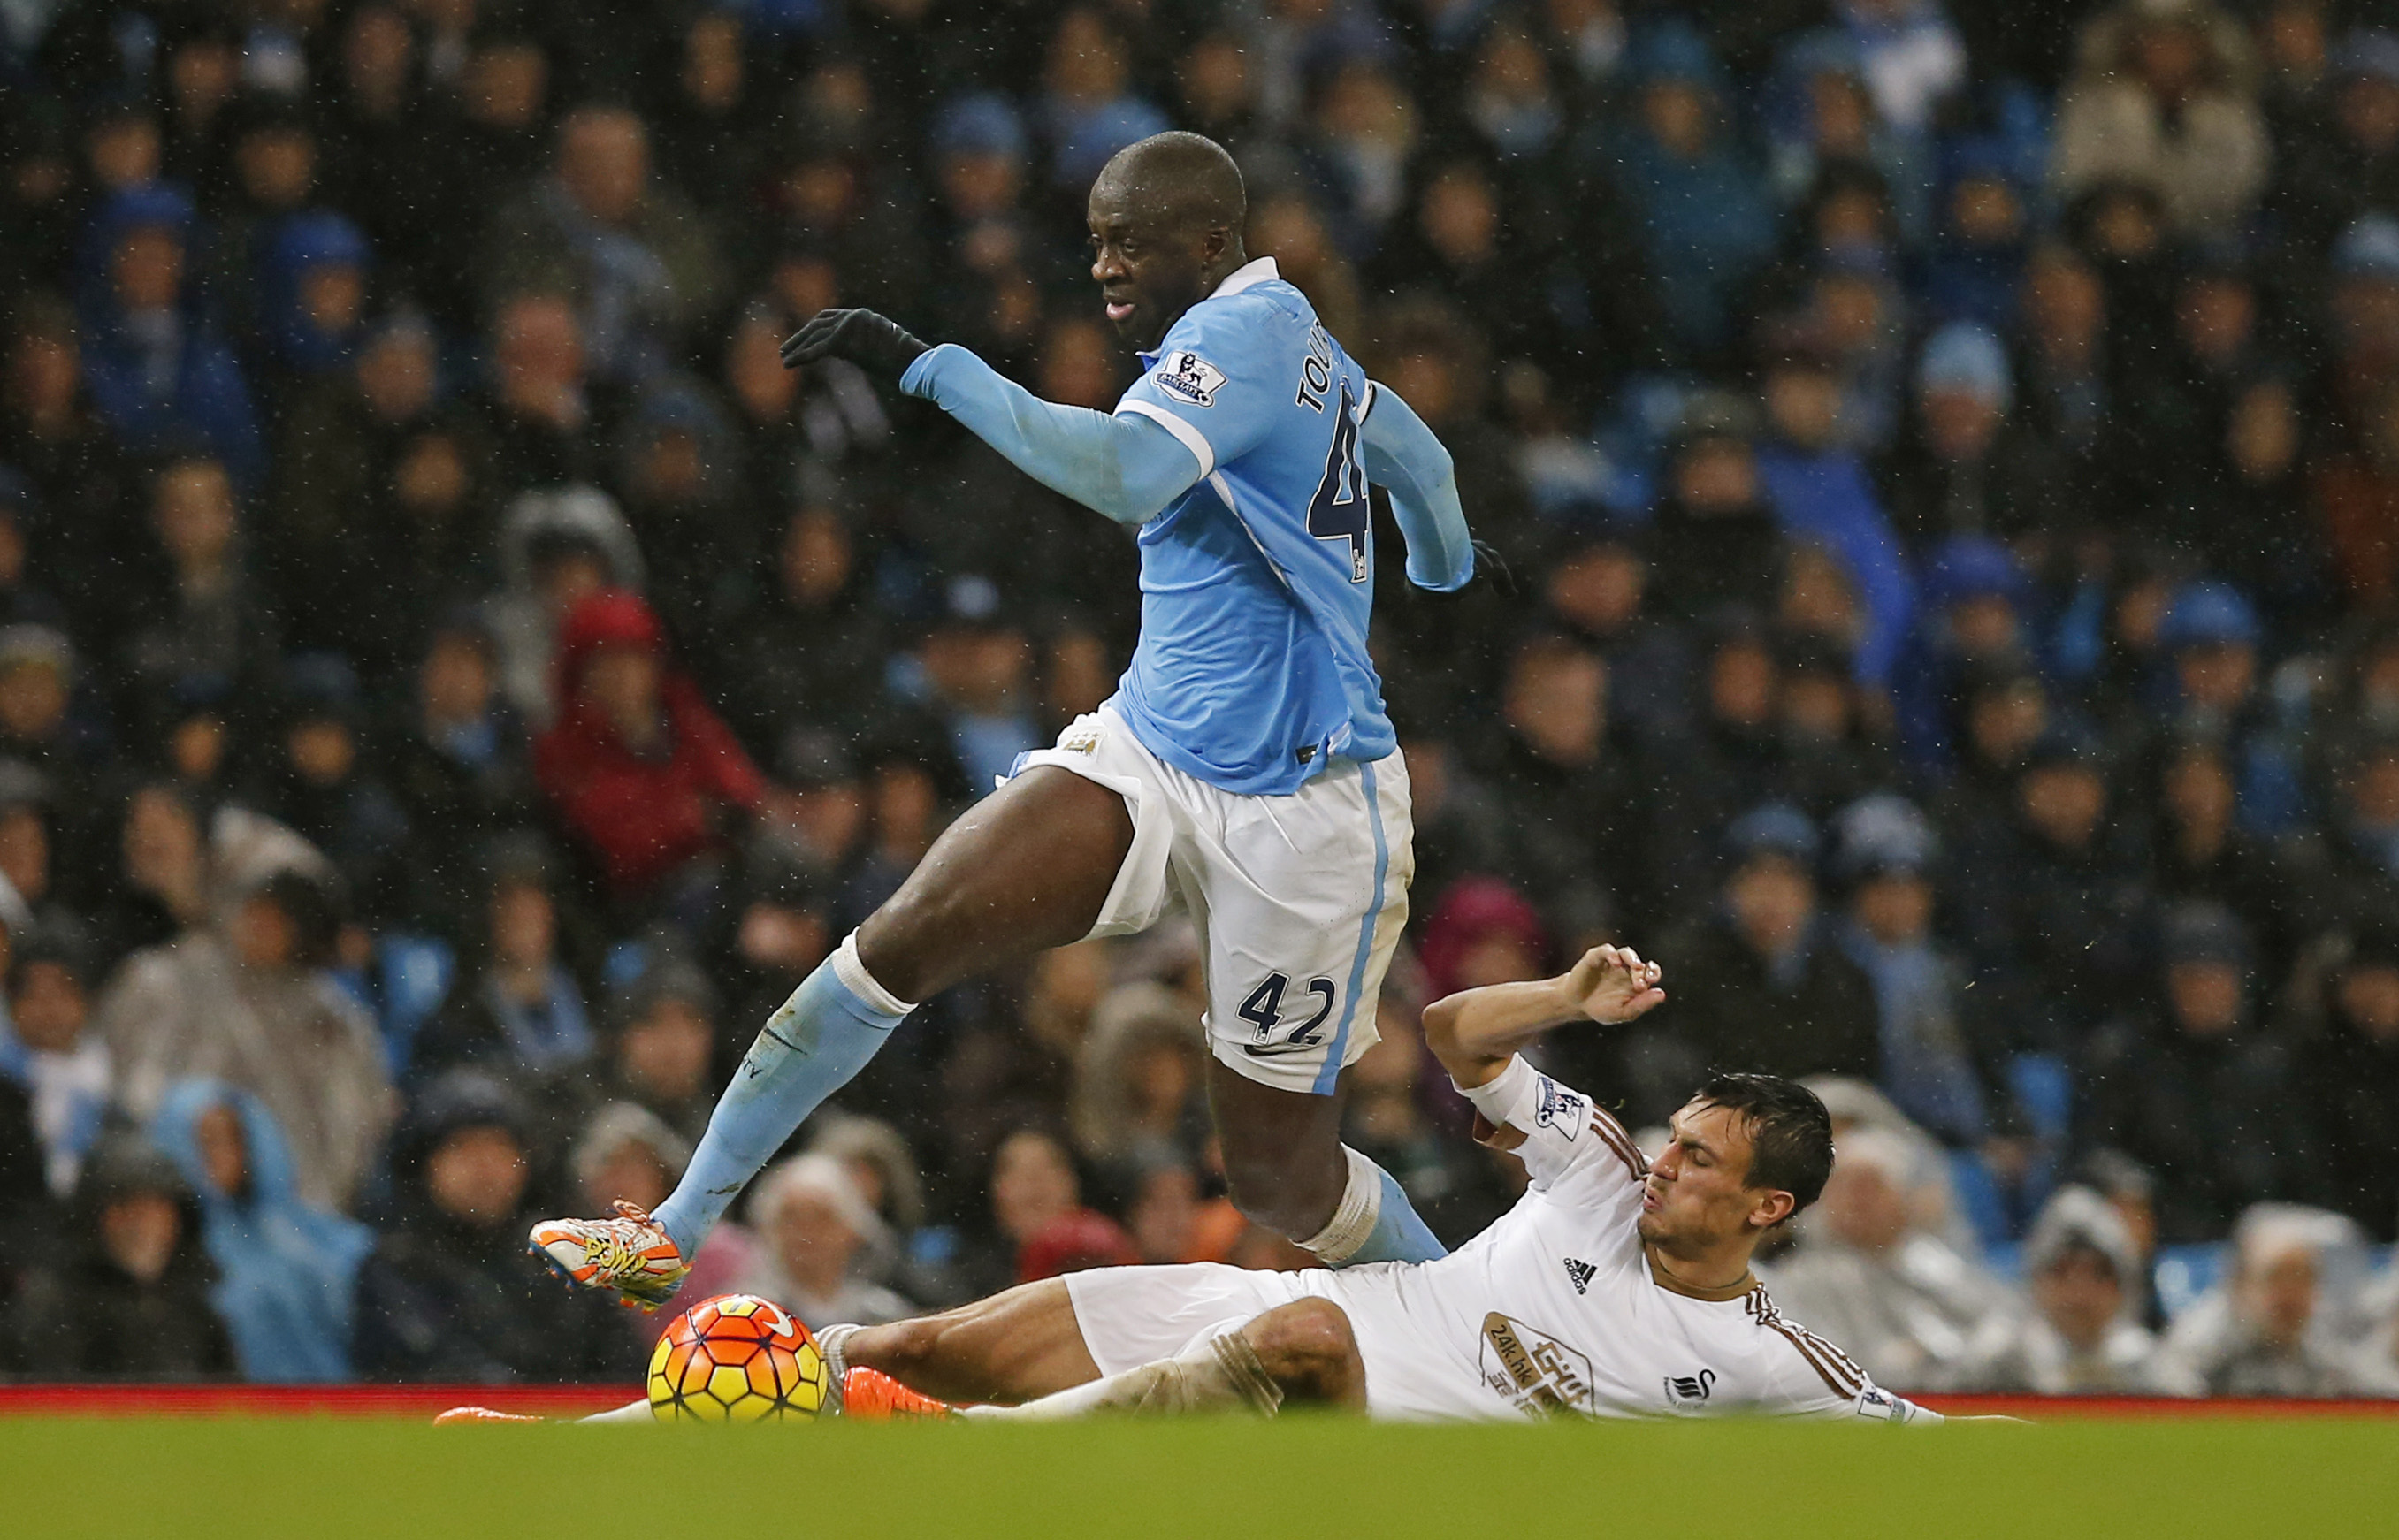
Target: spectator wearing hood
638	264
819	1242
1138	1078
2279	1325
638	766
1820	490
2084	1335
2212	636
324	784
49	1052
2187	1084
379	516
1929	1065
662	1044
448	1294
1963	466
459	763
45	720
2166	97
246	1001
1872	1271
557	549
676	469
1973	622
1765	986
1704	220
284	1268
625	1154
1981	224
127	1297
2348	1080
159	372
312	294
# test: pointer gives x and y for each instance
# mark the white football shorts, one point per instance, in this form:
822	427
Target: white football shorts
1132	1315
1299	901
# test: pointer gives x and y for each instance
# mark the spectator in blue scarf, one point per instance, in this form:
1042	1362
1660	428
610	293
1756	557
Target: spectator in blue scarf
284	1269
1886	855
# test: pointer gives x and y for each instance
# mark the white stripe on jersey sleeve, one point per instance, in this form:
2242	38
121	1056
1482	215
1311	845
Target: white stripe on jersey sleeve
1190	436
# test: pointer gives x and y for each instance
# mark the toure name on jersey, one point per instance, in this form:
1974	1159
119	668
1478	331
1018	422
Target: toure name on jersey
1539	1373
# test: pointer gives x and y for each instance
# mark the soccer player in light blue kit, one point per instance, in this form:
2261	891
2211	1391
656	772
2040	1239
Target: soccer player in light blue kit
1243	773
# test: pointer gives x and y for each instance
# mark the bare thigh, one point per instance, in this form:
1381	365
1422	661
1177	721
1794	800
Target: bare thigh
1026	868
1014	1346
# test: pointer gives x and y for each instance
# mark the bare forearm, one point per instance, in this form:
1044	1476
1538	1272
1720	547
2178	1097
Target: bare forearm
1475	1033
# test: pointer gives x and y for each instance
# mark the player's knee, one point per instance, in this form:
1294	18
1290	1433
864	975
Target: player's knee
1275	1193
1309	1350
896	948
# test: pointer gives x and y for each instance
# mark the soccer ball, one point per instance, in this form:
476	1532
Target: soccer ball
736	1359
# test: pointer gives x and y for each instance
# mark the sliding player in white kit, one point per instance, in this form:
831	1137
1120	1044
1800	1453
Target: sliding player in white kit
1615	1288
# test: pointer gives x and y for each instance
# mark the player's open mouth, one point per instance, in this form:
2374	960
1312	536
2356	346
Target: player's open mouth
1650	1200
1118	310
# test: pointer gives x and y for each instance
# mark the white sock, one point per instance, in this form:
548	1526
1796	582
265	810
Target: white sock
631	1412
1222	1374
1353	1220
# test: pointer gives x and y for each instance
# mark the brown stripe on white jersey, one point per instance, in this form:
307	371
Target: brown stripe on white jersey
1830	1363
1619	1142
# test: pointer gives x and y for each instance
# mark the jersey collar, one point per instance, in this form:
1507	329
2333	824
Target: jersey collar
1748	1284
1248	275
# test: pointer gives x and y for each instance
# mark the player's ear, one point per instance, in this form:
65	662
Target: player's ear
1770	1208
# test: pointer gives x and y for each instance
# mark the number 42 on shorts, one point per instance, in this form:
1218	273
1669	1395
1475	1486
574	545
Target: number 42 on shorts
1263	1010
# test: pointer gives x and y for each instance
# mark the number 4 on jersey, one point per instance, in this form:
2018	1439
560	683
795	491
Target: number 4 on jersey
1340	510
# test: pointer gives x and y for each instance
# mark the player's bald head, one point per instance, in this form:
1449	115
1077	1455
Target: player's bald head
1181	181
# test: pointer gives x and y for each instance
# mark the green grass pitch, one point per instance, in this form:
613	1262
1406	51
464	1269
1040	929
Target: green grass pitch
1301	1476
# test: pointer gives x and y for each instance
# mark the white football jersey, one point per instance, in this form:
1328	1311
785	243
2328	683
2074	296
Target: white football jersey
1554	1307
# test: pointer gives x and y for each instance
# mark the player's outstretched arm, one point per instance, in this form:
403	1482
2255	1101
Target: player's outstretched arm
1475	1033
1404	457
1127	467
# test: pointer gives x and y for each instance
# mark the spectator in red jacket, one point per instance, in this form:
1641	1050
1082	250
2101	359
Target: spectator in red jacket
639	767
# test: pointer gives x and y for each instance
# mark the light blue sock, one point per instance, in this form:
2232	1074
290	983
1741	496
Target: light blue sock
814	1045
1399	1234
1374	1223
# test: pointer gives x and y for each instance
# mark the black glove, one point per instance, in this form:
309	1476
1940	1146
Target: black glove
873	343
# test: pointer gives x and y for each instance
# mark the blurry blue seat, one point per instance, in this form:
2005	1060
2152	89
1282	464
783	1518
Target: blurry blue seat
2183	1273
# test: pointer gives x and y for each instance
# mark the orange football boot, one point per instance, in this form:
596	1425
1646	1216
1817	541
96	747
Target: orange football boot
871	1396
458	1416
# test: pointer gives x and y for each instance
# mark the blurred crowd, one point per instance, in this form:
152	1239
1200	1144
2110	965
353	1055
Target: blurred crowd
1940	469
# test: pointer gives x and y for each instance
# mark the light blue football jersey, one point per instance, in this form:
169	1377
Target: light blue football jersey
1258	584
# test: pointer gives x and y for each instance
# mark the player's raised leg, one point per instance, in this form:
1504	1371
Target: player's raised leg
1306	897
1026	868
